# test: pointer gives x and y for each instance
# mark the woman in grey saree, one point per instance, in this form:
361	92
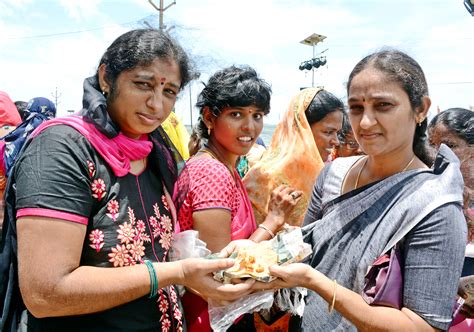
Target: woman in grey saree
362	206
352	230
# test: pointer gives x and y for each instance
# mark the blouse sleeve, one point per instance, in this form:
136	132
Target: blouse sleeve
52	177
212	186
433	258
313	212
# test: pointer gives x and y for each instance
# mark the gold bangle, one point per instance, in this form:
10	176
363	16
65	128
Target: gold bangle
265	228
333	302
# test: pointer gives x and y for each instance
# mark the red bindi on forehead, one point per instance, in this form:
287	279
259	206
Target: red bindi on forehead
162	80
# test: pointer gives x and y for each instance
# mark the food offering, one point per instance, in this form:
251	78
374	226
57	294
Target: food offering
254	261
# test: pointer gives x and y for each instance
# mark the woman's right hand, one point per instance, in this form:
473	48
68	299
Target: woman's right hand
291	275
197	274
283	199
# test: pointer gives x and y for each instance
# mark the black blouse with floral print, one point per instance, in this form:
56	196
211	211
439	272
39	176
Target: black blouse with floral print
129	221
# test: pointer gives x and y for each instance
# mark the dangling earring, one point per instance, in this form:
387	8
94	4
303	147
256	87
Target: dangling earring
421	121
208	131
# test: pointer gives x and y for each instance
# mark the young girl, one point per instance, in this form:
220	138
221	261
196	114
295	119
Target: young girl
232	106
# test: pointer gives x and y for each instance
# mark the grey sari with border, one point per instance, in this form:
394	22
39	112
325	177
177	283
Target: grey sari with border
357	227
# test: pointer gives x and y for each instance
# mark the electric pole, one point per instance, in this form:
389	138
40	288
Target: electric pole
56	97
161	10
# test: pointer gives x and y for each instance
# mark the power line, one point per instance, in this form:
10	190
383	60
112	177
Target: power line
77	31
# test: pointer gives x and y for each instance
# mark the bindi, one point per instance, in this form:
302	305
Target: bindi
162	80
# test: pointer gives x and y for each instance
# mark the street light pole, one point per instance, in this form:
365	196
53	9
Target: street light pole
312	41
161	9
312	69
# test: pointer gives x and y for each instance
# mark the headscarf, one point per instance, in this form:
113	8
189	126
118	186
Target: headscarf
43	106
39	109
292	158
9	115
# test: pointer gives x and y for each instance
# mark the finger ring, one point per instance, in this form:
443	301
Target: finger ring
294	195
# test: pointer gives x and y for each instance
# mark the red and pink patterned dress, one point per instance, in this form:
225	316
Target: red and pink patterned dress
211	186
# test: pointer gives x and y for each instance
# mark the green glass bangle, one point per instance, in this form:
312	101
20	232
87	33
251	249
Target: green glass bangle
153	279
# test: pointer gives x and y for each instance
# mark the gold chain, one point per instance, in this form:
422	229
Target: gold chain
365	162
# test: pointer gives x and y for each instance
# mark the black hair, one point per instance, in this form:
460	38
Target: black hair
323	104
141	47
22	107
403	69
458	120
346	128
232	87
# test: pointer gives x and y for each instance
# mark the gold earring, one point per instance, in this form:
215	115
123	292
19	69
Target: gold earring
208	131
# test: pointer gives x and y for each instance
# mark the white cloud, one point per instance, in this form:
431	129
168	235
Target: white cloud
80	9
10	7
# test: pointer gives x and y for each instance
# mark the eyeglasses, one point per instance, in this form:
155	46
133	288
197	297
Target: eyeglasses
352	145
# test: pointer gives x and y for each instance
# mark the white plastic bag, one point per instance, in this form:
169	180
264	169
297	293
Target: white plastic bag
187	245
222	317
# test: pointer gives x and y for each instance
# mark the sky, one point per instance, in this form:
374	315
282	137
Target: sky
48	47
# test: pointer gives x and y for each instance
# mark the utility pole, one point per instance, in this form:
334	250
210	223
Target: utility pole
56	97
161	10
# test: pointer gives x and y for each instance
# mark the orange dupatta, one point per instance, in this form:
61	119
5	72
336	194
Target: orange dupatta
291	159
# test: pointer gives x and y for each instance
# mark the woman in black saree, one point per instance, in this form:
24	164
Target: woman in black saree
362	206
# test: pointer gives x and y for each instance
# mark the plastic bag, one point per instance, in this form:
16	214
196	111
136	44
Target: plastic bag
187	245
291	300
290	248
222	317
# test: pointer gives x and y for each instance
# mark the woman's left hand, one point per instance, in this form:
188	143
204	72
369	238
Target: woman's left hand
282	201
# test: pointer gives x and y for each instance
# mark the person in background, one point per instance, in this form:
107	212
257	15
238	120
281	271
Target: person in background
348	145
9	116
232	106
38	110
251	158
325	116
300	145
89	201
9	119
22	106
178	134
194	143
359	204
41	106
454	127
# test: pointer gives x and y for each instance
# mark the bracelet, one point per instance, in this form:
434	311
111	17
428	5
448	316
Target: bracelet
265	228
333	302
153	279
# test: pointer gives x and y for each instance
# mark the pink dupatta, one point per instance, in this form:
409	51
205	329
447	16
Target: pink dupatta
117	151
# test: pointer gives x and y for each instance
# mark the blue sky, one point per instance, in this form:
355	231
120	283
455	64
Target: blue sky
52	44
